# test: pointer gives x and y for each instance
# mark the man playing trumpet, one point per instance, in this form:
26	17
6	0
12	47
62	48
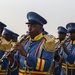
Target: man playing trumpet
55	68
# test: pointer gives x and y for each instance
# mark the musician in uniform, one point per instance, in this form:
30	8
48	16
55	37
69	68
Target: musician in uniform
5	45
2	25
69	66
68	58
36	53
55	68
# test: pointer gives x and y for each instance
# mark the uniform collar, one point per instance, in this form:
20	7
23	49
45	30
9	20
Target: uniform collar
72	42
37	37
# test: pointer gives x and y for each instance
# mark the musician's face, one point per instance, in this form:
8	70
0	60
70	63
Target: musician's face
8	37
34	29
72	35
61	36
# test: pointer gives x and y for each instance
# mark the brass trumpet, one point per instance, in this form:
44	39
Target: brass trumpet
12	49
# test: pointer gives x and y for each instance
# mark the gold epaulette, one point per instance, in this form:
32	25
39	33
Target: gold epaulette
50	42
4	41
48	37
5	45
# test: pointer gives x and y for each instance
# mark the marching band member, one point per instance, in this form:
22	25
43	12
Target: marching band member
36	53
55	68
68	66
5	45
9	36
2	25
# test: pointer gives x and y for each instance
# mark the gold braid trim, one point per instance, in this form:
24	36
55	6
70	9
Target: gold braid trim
5	45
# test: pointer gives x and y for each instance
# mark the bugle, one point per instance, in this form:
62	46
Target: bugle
6	54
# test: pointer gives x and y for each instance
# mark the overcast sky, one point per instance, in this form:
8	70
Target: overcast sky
56	12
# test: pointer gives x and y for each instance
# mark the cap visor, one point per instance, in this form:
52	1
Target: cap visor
32	23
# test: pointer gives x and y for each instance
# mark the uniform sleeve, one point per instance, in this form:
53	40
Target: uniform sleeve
71	58
14	68
41	64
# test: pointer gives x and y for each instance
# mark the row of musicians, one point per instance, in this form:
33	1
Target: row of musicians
34	55
39	51
64	55
7	40
61	63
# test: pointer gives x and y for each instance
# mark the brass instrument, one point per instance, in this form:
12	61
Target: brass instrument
12	49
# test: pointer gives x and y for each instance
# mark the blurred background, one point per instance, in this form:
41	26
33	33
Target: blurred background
56	12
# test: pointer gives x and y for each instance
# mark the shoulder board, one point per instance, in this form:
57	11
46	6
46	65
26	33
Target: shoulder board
4	41
5	45
48	37
50	42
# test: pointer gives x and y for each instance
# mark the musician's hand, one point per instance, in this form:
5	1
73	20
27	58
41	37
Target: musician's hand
64	47
21	49
9	57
